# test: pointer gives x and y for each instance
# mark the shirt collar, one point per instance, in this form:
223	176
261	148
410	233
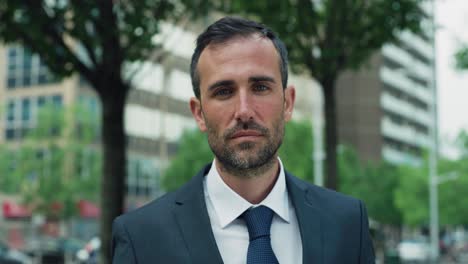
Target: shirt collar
229	205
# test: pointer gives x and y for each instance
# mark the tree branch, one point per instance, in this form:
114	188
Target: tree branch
91	53
49	28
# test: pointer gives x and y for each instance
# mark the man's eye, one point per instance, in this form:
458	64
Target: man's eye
261	88
222	92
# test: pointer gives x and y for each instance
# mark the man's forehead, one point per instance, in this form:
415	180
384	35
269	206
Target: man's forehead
251	54
217	44
241	45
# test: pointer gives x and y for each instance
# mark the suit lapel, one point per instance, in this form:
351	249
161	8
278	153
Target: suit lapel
194	223
309	219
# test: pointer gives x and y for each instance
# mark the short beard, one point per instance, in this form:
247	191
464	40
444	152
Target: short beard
251	166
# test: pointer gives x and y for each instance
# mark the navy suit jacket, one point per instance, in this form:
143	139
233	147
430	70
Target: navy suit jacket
176	227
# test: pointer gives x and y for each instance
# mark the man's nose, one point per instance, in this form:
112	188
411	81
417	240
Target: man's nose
244	108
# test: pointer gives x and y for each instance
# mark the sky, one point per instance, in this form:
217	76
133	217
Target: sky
452	84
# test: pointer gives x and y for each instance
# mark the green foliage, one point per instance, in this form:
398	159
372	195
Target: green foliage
452	206
56	165
412	195
297	149
349	164
378	192
462	143
10	170
461	58
51	124
193	153
373	183
4	163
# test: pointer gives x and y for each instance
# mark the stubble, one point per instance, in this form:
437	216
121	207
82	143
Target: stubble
250	158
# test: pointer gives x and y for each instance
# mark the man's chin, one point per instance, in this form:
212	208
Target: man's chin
246	146
247	164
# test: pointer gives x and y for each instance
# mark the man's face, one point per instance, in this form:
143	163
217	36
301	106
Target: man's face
242	104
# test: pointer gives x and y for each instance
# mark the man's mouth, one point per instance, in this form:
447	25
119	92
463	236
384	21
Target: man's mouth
246	134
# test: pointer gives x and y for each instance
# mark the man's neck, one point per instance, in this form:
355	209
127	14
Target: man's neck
253	185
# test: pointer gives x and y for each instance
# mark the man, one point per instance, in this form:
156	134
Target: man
244	207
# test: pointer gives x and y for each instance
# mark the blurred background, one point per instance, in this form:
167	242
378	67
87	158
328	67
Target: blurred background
94	116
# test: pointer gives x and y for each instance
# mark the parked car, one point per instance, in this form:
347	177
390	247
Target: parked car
414	251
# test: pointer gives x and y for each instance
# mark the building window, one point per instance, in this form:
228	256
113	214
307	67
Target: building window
42	78
11	112
26	81
41	100
11	82
57	100
26	69
11	53
10	133
26	109
143	178
22	114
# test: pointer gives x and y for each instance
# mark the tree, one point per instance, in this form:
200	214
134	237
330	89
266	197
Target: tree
461	58
93	39
194	152
49	167
296	151
375	184
325	38
452	206
8	183
412	195
64	166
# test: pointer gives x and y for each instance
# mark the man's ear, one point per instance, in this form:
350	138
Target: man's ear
289	99
195	107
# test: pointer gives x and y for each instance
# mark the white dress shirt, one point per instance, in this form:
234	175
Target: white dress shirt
232	237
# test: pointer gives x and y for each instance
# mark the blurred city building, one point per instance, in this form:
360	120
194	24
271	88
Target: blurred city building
384	109
26	85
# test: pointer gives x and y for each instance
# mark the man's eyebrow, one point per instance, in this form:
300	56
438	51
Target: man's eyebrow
261	79
220	83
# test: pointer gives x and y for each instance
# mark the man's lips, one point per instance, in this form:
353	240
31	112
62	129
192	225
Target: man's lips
246	133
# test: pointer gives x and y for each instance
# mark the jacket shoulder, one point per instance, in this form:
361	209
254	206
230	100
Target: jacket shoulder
326	199
160	209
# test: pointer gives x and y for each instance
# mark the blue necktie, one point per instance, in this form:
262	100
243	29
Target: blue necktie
258	222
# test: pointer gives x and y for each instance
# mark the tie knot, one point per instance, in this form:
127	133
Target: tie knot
258	221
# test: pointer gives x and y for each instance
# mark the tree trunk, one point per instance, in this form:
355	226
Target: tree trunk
328	88
114	167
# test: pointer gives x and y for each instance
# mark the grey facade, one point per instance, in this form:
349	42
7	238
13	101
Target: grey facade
384	109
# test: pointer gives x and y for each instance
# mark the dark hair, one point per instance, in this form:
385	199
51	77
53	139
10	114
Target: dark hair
228	28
